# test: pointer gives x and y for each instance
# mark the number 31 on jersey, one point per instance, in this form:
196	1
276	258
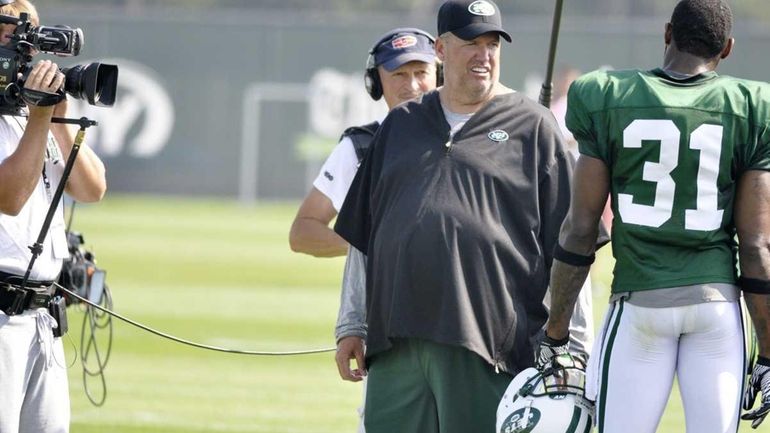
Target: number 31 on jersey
707	139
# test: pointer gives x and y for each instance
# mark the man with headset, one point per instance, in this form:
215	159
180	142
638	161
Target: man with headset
401	66
34	394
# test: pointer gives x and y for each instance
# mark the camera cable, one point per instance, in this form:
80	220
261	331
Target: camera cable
94	320
188	342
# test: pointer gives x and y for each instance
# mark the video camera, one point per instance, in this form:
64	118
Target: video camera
80	274
94	82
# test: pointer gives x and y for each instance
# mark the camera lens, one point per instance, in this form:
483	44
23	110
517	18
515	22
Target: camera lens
94	82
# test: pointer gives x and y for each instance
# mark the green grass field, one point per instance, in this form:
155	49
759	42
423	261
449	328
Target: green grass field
221	274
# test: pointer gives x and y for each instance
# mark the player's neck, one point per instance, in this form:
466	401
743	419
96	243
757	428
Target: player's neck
688	64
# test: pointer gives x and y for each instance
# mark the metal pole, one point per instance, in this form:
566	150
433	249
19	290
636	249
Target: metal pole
545	91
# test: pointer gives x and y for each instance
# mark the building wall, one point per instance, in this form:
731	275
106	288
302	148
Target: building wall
248	103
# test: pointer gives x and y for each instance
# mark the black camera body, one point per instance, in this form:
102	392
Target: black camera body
94	82
80	274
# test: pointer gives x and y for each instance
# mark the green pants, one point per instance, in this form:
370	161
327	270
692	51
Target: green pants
423	387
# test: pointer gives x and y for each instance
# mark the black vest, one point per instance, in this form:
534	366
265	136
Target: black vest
361	136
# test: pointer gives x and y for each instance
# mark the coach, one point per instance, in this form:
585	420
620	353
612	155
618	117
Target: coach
457	206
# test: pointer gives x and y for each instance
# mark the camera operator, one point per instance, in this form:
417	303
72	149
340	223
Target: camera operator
34	394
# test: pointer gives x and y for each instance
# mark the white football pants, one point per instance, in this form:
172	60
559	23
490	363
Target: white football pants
632	370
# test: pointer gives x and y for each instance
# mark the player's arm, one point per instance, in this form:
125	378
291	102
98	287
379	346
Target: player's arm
310	232
577	241
752	220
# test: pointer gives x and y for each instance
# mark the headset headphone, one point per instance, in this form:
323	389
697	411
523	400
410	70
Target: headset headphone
372	75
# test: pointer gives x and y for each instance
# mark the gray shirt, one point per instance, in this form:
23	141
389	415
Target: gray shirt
351	319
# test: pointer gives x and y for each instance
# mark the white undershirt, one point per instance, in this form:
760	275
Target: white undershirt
456	121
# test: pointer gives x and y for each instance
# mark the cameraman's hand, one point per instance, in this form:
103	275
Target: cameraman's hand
44	77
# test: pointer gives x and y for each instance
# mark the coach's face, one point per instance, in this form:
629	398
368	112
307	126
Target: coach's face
406	82
471	68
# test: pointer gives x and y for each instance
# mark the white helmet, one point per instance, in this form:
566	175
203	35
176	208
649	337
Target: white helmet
548	401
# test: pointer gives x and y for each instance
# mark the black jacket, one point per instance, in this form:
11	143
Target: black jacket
460	235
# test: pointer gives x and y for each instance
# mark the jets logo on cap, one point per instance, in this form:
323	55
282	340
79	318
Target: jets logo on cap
404	42
498	135
482	8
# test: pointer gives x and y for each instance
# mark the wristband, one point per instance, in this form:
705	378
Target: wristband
754	285
573	259
552	342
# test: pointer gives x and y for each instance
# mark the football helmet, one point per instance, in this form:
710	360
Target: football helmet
551	400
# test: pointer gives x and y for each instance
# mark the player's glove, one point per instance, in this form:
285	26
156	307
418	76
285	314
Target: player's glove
760	381
550	348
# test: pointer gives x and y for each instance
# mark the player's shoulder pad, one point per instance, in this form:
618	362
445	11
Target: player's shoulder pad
758	92
592	89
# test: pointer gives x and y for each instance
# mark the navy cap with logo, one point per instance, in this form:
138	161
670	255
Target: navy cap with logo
469	19
401	46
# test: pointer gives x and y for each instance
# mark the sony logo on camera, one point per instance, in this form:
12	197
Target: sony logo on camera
94	82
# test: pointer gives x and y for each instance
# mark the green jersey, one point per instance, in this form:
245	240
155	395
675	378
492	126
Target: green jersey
675	150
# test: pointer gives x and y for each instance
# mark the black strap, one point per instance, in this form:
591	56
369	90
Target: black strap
41	99
17	279
754	285
573	259
361	136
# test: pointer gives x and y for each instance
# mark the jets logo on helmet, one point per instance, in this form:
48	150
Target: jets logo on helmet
547	401
521	421
482	8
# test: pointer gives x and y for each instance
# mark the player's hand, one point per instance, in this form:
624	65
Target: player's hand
351	348
550	348
760	381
